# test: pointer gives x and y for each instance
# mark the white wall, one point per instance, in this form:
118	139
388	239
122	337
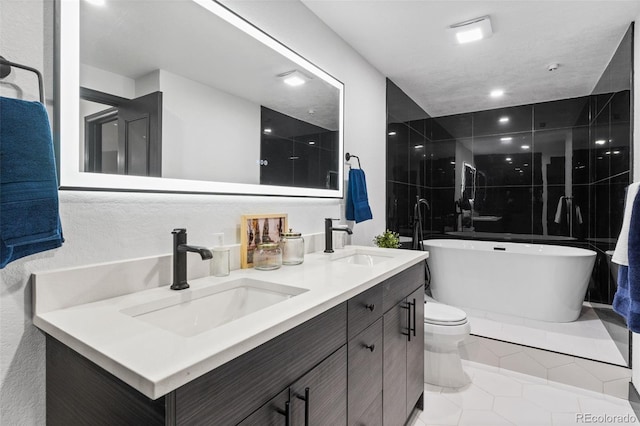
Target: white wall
109	226
208	134
636	100
635	355
107	81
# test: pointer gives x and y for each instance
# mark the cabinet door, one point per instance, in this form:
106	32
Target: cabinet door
415	350
394	397
364	370
320	396
373	415
273	413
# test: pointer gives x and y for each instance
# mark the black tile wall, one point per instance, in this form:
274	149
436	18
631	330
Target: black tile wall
517	160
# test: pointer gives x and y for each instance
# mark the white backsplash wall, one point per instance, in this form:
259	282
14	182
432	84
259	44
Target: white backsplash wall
102	226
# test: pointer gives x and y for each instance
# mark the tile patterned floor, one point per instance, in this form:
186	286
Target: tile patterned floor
587	374
501	397
586	337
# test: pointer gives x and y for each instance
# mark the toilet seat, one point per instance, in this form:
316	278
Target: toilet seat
444	315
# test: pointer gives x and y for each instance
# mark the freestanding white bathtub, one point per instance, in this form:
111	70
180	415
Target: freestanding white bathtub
542	282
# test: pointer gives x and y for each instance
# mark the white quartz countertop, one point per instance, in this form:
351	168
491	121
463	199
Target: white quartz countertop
156	361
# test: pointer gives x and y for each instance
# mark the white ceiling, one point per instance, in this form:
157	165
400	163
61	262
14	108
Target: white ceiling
133	38
407	42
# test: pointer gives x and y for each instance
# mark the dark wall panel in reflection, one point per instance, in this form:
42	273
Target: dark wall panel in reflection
296	153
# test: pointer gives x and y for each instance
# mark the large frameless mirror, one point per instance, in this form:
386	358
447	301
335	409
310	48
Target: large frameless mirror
186	96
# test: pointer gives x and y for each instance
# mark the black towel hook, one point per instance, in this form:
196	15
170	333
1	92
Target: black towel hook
5	70
348	157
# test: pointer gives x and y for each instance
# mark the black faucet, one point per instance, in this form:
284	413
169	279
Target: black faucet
328	235
180	249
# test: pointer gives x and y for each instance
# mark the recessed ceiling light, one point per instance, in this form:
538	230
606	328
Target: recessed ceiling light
392	133
608	153
418	146
508	159
471	30
526	164
525	147
600	142
504	119
294	78
506	139
312	142
452	162
496	93
267	131
616	152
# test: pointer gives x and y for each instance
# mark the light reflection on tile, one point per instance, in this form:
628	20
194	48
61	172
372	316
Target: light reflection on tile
532	401
587	337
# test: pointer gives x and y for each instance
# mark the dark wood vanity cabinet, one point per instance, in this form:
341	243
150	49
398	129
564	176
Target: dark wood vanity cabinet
365	372
403	334
317	398
386	359
352	364
273	413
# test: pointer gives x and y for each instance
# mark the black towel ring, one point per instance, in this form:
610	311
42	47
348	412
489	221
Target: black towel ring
5	70
348	157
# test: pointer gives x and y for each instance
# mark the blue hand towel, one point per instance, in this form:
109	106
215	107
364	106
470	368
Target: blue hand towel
357	200
626	301
29	215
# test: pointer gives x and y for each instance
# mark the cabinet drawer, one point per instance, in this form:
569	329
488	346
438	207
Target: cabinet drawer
396	288
364	370
234	390
363	310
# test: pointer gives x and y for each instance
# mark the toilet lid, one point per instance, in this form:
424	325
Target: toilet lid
437	313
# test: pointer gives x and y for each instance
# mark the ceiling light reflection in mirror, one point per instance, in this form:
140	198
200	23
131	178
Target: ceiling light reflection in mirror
244	70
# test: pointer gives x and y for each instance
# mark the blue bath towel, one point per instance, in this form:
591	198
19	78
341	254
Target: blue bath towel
29	216
357	199
626	301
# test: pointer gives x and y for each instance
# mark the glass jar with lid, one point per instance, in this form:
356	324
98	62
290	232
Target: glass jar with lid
268	256
292	245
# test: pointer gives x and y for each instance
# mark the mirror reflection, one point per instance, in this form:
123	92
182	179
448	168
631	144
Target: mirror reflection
170	90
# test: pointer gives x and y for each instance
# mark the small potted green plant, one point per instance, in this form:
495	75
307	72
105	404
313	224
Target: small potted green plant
387	239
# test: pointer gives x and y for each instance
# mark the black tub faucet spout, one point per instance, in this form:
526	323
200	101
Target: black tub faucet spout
180	249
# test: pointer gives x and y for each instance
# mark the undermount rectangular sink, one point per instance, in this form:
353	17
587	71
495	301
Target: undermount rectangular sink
360	257
194	311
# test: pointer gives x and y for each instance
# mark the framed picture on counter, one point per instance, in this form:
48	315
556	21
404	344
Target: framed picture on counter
258	229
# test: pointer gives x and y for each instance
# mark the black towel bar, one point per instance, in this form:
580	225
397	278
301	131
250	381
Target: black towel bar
348	157
5	70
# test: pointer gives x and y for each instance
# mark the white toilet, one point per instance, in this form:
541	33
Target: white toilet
444	328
